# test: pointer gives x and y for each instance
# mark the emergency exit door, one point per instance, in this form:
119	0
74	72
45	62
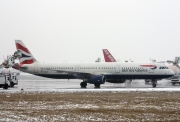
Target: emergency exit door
117	69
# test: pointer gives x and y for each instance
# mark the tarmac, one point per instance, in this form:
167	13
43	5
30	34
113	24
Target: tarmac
27	82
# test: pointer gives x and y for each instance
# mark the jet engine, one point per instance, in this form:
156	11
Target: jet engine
99	79
96	79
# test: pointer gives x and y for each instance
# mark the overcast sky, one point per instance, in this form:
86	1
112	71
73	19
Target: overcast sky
78	30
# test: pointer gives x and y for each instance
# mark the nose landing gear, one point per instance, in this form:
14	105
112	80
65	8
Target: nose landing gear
154	83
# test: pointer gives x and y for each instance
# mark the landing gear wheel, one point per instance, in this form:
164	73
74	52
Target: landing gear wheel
96	85
12	84
173	84
83	84
5	86
154	85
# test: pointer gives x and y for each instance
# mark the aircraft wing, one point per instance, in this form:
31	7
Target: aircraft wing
81	74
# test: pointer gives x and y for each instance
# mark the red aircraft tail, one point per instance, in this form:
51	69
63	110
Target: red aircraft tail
26	56
107	56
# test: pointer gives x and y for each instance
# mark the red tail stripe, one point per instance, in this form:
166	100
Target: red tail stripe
16	66
107	56
27	62
18	46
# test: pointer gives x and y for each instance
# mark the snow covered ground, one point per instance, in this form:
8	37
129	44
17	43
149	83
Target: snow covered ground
41	99
90	106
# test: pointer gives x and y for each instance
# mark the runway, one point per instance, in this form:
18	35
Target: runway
35	83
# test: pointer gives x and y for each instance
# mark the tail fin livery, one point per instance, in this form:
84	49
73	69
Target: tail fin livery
25	55
107	56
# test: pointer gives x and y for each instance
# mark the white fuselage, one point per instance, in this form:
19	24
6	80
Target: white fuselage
174	68
114	69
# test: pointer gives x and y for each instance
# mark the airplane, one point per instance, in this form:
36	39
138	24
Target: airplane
174	66
93	73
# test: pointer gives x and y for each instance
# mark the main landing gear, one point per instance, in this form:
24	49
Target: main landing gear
97	85
83	84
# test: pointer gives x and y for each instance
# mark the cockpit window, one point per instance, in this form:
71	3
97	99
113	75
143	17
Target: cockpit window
163	67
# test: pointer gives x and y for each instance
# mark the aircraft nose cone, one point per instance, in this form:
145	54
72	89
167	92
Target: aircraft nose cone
171	72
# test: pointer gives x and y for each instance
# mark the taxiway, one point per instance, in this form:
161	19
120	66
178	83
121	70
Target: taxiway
36	83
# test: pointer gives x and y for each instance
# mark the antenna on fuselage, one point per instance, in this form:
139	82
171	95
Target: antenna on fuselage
98	60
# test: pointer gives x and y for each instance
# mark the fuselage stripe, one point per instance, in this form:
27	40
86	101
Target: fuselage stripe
19	46
27	62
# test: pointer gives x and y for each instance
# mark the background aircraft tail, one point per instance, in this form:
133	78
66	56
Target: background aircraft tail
177	62
107	56
25	56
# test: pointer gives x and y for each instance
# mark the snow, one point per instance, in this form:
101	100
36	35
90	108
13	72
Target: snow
36	85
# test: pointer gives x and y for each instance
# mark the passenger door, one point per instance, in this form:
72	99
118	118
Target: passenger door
36	68
117	69
151	69
77	68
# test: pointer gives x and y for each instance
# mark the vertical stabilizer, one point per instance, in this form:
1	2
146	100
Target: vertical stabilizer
25	55
107	56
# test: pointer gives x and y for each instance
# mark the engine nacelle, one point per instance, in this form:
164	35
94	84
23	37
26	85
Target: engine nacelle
115	80
96	79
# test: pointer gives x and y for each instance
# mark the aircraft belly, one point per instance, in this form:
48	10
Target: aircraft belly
57	76
142	76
